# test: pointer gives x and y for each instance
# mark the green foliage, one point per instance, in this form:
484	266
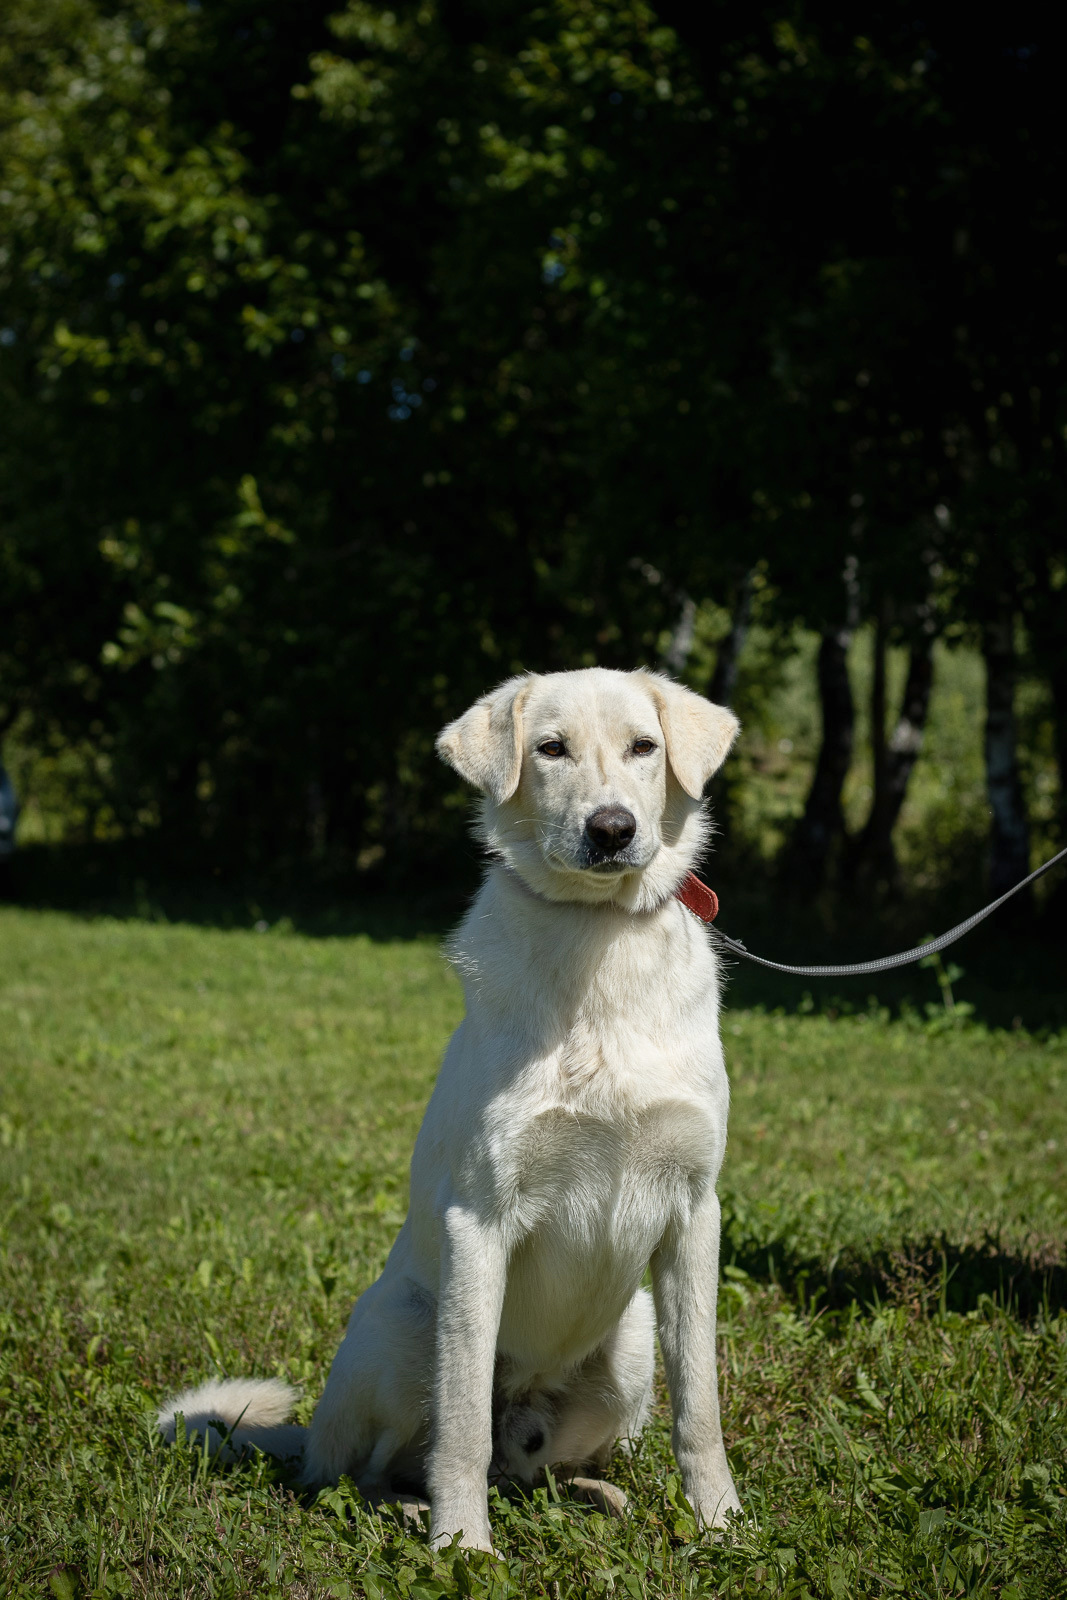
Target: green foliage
203	1146
352	360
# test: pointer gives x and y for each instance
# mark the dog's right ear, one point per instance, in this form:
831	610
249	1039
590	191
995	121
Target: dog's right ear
484	745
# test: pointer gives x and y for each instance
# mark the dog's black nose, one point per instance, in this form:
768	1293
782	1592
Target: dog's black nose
611	828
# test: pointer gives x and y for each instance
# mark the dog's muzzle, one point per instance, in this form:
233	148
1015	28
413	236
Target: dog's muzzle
610	830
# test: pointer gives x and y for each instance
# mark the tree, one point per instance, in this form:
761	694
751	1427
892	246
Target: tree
354	361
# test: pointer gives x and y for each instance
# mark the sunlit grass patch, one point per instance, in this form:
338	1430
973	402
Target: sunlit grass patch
204	1140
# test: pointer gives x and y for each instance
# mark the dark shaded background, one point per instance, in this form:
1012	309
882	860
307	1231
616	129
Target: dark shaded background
351	362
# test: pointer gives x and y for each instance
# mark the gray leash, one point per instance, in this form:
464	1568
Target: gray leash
859	969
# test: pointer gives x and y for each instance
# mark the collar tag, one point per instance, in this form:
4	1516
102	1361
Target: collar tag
697	897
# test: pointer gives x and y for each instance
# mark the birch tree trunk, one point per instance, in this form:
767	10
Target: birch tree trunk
677	652
895	758
878	708
1045	618
1010	837
822	826
1058	681
724	679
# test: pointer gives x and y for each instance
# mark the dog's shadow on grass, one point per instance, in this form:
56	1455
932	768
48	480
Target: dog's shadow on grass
928	1275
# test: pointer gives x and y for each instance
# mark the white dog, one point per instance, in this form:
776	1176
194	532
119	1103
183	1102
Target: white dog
573	1139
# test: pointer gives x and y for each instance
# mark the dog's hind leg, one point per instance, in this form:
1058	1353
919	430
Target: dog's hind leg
607	1398
374	1480
607	1404
574	1423
374	1411
605	1497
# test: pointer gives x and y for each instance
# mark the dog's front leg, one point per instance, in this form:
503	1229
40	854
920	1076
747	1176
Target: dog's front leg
471	1294
685	1280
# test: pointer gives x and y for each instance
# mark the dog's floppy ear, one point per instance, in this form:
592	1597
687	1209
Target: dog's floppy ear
484	745
698	734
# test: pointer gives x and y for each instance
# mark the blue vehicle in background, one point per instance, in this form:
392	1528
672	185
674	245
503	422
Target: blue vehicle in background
9	811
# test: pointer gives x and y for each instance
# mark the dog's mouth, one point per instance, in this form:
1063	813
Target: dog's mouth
599	863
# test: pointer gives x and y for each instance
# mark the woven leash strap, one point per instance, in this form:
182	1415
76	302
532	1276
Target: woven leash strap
689	896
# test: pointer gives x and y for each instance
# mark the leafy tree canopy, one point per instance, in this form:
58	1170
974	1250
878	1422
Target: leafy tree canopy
353	361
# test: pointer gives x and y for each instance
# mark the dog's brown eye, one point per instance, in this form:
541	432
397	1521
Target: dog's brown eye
644	747
554	748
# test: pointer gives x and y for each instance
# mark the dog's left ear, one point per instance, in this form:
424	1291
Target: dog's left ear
484	745
698	734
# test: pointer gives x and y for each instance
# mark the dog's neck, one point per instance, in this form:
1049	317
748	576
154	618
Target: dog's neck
692	892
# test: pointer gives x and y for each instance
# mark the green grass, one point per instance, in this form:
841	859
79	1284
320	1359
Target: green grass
204	1139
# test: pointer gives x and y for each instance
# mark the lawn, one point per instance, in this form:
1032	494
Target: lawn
204	1139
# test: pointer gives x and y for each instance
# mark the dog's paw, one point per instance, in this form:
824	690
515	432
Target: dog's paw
465	1526
718	1512
464	1541
410	1510
606	1497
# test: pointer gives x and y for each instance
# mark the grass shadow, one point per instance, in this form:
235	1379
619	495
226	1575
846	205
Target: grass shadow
933	1273
1012	968
132	880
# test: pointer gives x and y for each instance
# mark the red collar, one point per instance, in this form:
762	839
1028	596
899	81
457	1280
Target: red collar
698	898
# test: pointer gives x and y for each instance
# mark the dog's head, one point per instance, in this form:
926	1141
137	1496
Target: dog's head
592	780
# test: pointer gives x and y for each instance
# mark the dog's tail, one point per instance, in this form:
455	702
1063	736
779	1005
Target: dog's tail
237	1415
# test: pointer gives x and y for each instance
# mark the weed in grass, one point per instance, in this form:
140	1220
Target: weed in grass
204	1140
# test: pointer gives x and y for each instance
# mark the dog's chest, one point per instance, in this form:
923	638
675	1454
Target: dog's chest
610	1179
614	1096
605	1061
589	1198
